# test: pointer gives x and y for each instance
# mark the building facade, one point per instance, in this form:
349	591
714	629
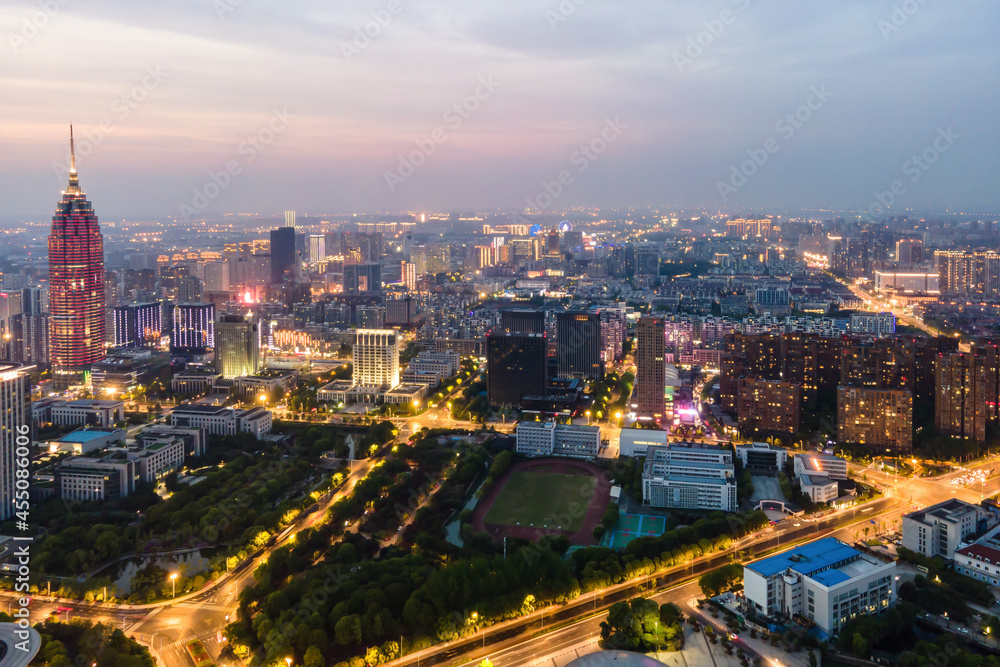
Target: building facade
649	395
551	439
689	476
877	418
826	582
237	340
376	358
77	318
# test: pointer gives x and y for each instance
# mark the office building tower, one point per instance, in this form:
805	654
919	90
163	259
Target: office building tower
522	320
370	317
909	251
317	248
362	278
76	283
515	366
189	290
438	259
237	345
217	276
138	325
376	358
879	419
193	329
282	254
573	240
29	339
408	275
290	219
400	311
578	345
648	398
15	422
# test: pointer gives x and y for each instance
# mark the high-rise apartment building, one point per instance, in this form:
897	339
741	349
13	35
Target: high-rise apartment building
76	283
283	254
578	345
408	275
376	358
769	405
193	329
138	324
516	366
964	272
290	219
237	345
648	398
317	248
909	251
880	419
15	422
362	278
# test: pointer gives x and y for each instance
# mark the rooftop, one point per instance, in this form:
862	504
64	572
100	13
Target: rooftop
944	510
810	560
83	435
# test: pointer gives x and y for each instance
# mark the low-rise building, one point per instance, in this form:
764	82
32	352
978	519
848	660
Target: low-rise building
87	440
195	380
981	559
939	530
552	439
87	411
194	438
447	362
820	465
635	441
826	581
156	460
762	456
219	420
266	382
689	476
413	394
819	489
86	479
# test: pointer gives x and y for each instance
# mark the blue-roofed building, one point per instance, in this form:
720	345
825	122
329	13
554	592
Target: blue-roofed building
86	440
826	583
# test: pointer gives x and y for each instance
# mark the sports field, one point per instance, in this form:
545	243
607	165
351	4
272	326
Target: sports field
543	499
631	526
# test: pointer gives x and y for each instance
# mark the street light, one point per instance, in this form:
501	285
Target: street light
173	582
618	416
288	661
588	417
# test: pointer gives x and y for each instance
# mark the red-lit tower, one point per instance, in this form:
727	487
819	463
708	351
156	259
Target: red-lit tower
76	283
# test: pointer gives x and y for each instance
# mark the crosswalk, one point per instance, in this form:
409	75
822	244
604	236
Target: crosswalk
212	634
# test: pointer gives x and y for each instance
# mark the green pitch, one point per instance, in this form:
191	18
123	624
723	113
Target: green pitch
543	499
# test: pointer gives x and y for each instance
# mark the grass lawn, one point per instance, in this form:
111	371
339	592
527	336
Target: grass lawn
540	498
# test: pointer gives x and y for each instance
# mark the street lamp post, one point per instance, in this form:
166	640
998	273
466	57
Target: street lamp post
173	583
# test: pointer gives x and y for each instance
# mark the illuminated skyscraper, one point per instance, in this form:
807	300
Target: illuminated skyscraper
15	419
237	345
76	282
651	372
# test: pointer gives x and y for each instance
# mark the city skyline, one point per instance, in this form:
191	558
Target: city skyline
675	98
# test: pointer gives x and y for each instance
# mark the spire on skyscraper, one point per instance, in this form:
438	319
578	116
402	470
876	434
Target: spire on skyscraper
74	181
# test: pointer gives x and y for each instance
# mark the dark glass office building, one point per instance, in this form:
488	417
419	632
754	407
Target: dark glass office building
282	254
515	366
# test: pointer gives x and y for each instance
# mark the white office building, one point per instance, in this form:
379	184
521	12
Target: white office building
820	465
218	420
635	441
85	411
939	530
689	476
551	439
826	582
376	358
819	489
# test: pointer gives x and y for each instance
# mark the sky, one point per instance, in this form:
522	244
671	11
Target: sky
202	107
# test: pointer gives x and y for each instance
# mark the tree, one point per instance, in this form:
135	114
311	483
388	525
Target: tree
314	657
348	630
